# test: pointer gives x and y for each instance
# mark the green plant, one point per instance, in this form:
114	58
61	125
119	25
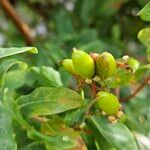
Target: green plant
38	111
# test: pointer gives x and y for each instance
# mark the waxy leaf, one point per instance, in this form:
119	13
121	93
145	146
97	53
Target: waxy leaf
145	12
7	137
49	101
115	135
4	52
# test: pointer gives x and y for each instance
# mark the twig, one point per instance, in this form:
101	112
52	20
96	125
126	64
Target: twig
94	88
143	84
22	26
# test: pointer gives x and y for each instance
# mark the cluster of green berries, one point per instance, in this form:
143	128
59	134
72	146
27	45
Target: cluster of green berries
84	65
102	65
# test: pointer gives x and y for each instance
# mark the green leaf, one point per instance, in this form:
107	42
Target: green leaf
142	69
5	66
4	52
143	141
101	141
121	78
117	135
13	109
33	146
138	113
75	117
145	12
52	142
15	79
48	101
89	138
56	126
48	76
7	136
144	36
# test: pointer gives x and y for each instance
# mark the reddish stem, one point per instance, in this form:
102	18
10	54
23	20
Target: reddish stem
142	85
20	24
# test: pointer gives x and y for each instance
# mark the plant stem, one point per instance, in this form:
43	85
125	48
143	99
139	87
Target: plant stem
22	26
94	88
143	84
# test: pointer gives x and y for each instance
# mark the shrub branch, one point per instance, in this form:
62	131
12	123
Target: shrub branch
141	86
20	24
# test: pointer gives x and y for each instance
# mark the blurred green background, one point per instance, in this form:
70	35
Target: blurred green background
91	25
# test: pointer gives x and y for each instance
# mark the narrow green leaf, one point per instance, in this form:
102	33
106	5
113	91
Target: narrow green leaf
145	12
48	101
117	135
4	52
7	137
13	109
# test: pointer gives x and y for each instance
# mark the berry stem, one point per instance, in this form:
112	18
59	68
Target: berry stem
94	88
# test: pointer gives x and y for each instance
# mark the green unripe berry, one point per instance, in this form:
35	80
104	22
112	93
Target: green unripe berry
105	65
108	102
133	63
83	64
68	66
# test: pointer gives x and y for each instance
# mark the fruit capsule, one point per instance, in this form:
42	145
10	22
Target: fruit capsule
105	65
68	66
83	63
108	102
133	63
